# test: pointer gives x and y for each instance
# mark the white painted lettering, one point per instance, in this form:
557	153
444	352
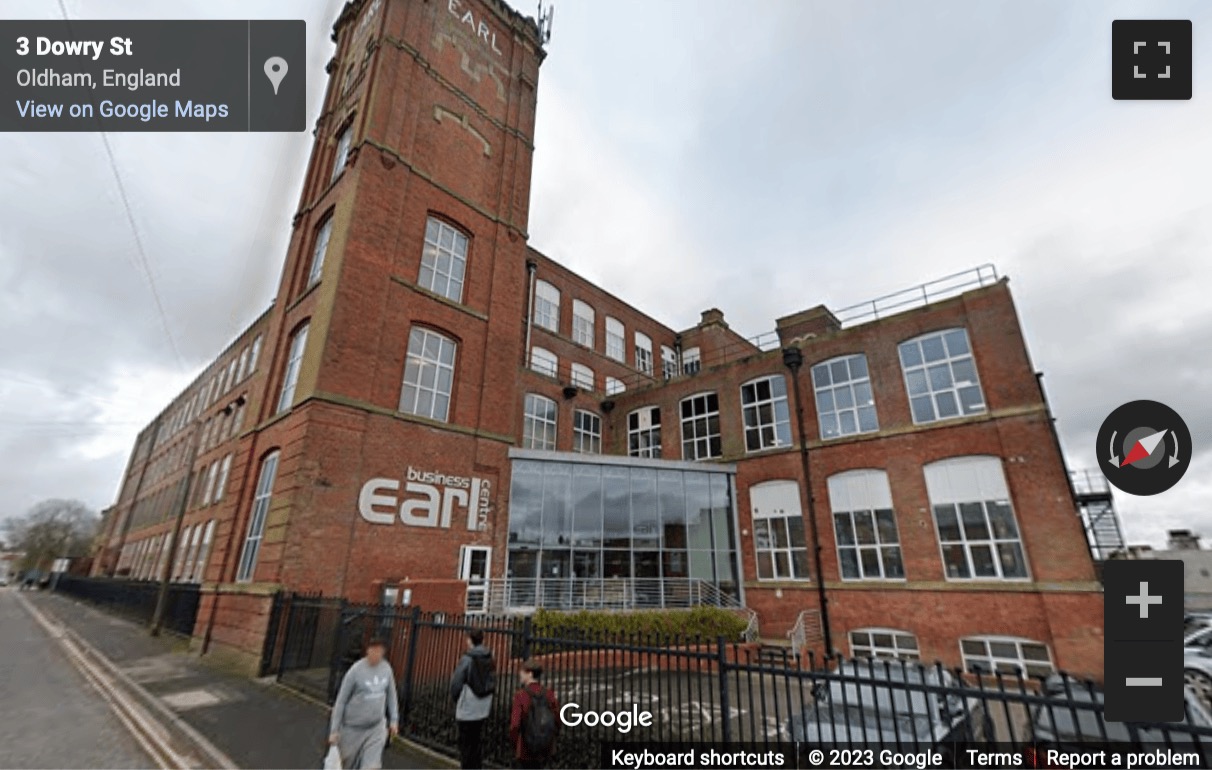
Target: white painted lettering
369	498
429	505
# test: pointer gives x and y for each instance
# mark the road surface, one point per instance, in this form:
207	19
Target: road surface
50	716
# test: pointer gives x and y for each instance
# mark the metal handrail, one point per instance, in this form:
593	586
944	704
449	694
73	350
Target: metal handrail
799	632
567	593
918	296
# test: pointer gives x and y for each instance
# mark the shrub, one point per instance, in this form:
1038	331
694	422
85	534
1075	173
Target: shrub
707	623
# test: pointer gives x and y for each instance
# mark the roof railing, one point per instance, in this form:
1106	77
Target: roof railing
918	296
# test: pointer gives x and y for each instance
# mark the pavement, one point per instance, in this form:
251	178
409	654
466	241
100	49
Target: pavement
247	723
50	715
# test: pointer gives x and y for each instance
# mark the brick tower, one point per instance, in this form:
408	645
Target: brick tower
410	234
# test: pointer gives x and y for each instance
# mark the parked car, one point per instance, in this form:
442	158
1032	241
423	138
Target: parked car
1197	670
878	704
1076	718
3	578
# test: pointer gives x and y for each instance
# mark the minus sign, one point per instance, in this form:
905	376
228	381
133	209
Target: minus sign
1143	681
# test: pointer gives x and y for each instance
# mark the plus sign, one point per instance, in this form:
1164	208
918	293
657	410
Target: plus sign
1144	600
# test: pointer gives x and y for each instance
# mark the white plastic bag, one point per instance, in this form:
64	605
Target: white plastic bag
332	760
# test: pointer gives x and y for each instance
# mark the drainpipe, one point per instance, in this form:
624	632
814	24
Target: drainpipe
532	268
793	359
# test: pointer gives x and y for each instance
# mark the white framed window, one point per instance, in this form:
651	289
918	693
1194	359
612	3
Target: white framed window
701	427
254	354
883	644
940	376
547	306
443	260
256	519
765	413
182	550
1005	655
691	361
643	353
341	156
977	531
428	374
864	526
191	555
199	572
582	323
614	385
211	473
582	377
778	531
238	421
221	481
669	363
290	377
318	251
616	340
644	432
586	432
544	361
231	376
844	402
539	422
240	374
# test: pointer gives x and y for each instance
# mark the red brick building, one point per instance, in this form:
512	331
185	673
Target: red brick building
432	412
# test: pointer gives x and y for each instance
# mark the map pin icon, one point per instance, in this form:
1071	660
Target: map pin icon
275	70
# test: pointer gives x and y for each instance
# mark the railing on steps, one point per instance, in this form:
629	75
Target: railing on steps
807	628
525	594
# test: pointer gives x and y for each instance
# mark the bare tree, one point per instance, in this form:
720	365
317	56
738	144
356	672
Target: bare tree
52	529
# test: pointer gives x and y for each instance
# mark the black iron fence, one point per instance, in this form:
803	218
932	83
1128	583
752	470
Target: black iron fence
706	691
136	598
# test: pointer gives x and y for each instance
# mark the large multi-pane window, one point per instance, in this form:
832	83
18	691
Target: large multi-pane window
643	353
1005	655
586	432
221	480
669	362
539	422
883	644
701	427
868	540
254	354
547	306
977	530
443	260
544	361
778	531
582	323
319	250
199	568
764	410
582	376
341	156
844	402
644	432
616	342
428	375
940	375
290	378
614	385
191	555
256	519
588	535
691	361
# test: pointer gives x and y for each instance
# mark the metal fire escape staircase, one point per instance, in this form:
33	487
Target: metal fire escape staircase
1104	534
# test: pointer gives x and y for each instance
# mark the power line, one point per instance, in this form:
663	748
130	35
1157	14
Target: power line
142	261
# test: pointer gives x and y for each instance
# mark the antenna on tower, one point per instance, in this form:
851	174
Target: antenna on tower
545	18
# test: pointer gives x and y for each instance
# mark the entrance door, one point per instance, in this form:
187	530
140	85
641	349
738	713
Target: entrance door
474	564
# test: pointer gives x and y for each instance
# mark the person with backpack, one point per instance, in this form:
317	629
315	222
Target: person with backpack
533	724
471	689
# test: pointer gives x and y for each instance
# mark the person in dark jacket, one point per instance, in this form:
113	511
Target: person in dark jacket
529	676
471	709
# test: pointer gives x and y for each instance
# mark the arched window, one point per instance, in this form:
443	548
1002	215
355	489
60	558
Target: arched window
428	374
977	530
290	377
256	519
864	526
940	375
443	260
539	422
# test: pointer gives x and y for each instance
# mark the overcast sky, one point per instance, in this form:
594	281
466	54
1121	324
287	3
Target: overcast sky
760	157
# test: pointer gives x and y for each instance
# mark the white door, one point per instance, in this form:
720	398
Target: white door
474	564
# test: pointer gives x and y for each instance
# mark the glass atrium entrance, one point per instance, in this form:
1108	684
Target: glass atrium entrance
606	532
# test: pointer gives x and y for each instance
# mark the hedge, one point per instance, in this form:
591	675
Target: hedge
703	622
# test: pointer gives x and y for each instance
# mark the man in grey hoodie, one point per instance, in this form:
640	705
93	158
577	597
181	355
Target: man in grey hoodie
471	689
358	726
